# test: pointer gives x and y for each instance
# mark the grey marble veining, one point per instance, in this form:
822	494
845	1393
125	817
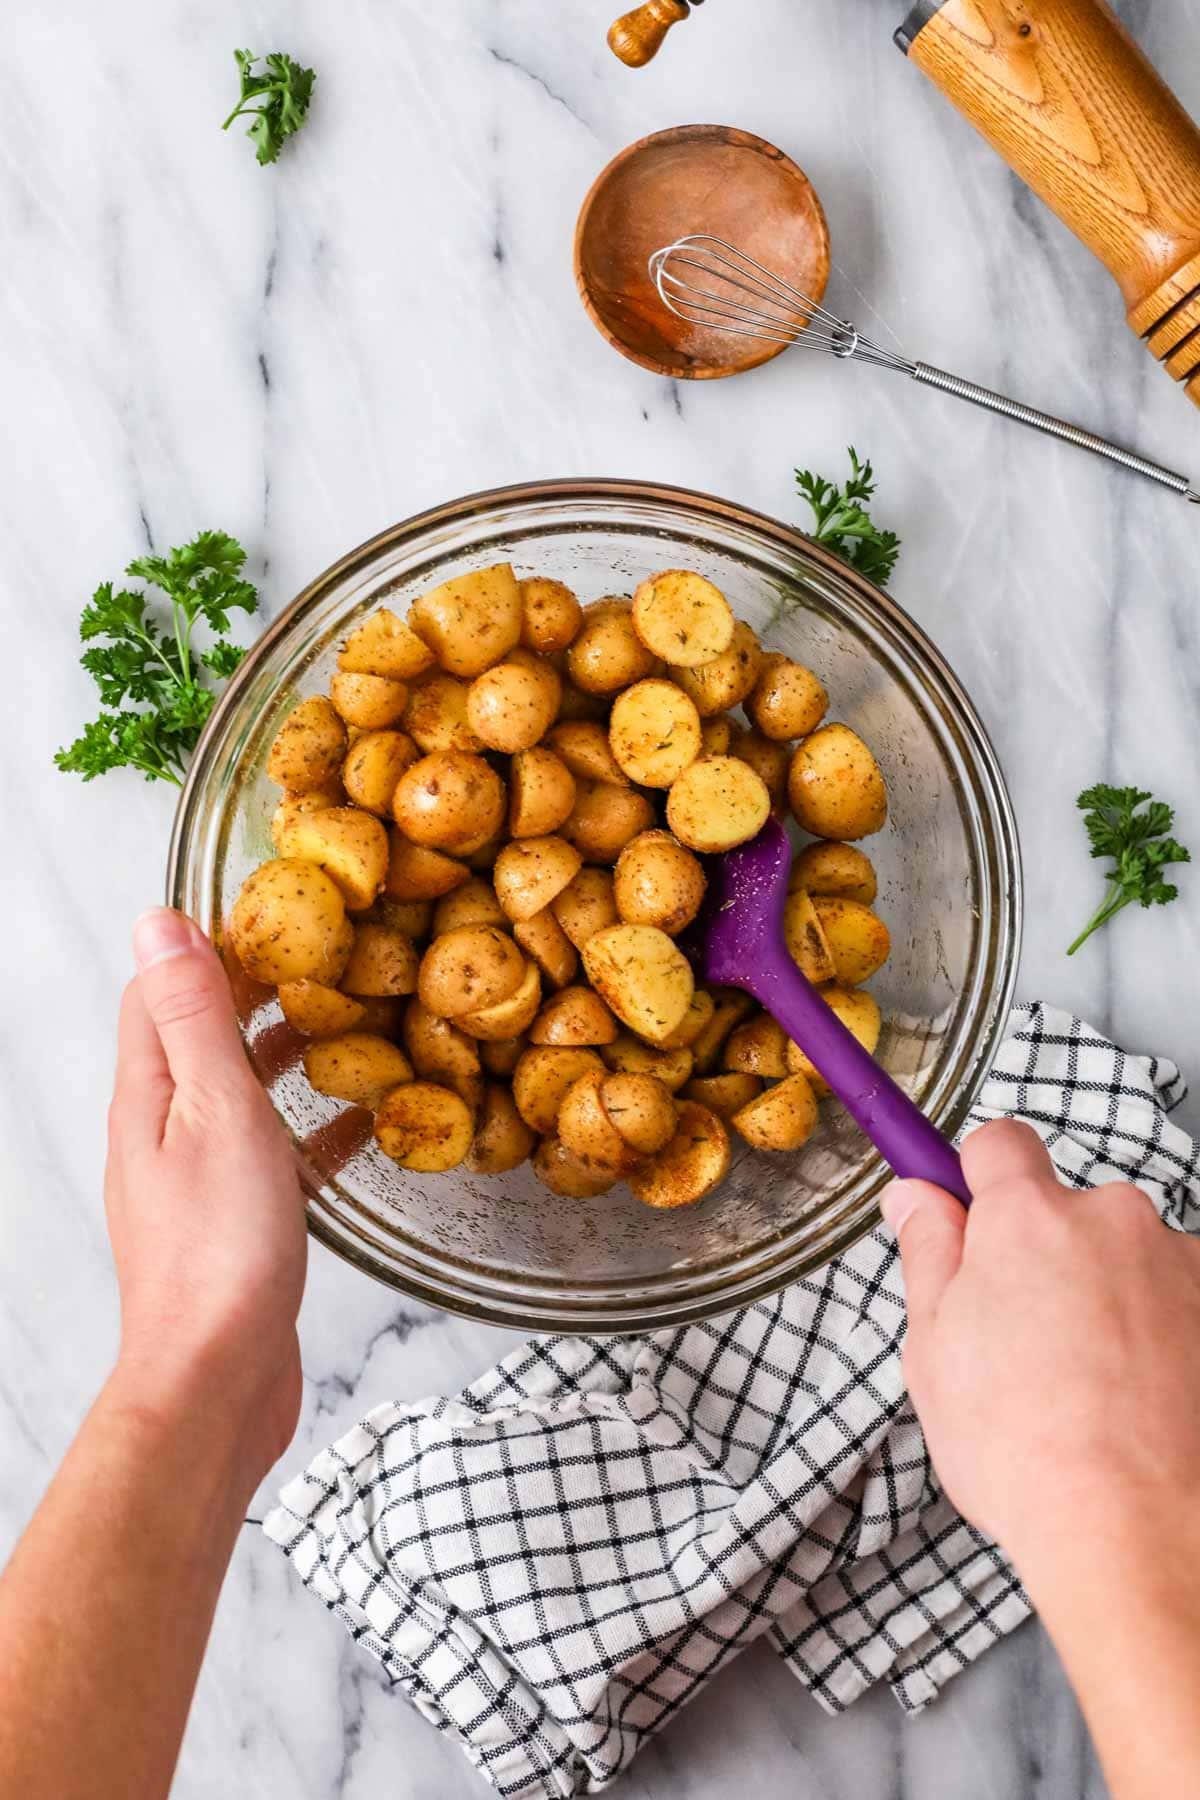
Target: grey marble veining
302	355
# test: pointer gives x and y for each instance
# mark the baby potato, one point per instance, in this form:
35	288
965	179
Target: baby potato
472	967
724	1094
502	1139
550	615
768	760
563	1173
643	975
586	905
507	1018
424	1128
500	1056
730	1007
838	869
628	1055
683	618
541	792
483	859
441	1052
641	1111
759	1047
607	653
383	645
382	1014
694	1162
294	806
319	1011
719	735
416	873
859	1013
374	766
718	803
371	702
309	748
531	872
289	924
714	686
436	715
835	786
604	819
471	621
510	708
859	941
413	917
654	732
699	1015
781	1119
383	961
542	1077
351	846
788	701
805	938
356	1067
658	882
576	705
544	939
586	1130
583	745
574	1016
474	903
451	800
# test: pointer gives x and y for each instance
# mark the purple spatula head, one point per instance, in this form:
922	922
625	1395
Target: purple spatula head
743	946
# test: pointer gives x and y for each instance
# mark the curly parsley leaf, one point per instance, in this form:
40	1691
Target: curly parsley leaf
284	88
1132	830
842	522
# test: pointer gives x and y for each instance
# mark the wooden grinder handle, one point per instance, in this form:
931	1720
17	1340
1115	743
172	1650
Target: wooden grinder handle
1061	90
637	36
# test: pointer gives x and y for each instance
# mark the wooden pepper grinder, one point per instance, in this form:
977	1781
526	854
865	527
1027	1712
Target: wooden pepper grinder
637	37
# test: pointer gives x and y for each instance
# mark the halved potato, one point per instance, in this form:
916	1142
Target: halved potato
717	803
658	882
694	1162
628	1055
502	1139
805	938
451	801
356	1067
413	917
471	621
781	1119
640	1109
374	766
724	1094
500	1056
370	702
471	967
768	760
654	732
730	1007
384	645
586	905
577	1015
507	1018
294	806
544	939
541	1078
483	858
441	1052
530	873
382	1014
643	975
586	1131
474	903
699	1015
575	704
859	1013
351	846
839	869
550	615
859	941
541	792
319	1011
715	686
564	1174
607	654
683	618
511	707
415	872
383	961
604	819
835	786
759	1047
436	715
424	1127
309	747
719	736
788	700
583	745
289	924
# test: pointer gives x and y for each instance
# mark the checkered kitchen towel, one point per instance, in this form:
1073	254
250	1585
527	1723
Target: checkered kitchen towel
557	1560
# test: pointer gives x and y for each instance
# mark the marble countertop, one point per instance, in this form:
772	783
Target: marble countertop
302	355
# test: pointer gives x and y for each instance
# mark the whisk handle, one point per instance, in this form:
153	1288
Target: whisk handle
1057	428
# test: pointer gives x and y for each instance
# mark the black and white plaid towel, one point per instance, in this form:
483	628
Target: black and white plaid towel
557	1560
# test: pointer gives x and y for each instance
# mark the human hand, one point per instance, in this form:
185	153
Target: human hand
204	1205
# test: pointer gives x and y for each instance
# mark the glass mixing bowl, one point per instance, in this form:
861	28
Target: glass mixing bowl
503	1248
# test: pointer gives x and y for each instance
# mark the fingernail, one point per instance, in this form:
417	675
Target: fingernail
898	1201
158	934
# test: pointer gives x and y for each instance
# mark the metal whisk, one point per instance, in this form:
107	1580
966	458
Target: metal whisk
710	282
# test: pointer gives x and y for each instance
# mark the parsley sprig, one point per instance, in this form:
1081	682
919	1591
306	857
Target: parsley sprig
285	90
133	657
841	520
1139	844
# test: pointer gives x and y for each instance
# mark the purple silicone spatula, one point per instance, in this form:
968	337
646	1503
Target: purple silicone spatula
743	946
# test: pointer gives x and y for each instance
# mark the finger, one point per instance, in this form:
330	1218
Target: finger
142	1085
187	997
1003	1151
930	1225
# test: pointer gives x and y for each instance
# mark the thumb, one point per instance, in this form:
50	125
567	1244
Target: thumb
930	1225
186	994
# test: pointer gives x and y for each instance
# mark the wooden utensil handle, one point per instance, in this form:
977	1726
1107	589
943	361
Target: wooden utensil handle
1061	90
637	36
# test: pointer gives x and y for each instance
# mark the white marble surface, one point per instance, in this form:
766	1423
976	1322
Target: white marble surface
302	355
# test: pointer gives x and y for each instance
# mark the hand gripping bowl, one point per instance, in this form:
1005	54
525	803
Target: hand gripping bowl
504	1248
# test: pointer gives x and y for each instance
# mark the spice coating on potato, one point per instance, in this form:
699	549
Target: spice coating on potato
509	708
842	870
384	645
713	687
788	700
696	1020
550	615
628	1055
309	748
643	975
416	873
474	903
541	1078
531	873
584	747
770	762
563	1173
502	1139
474	966
586	905
510	1017
294	806
318	1011
805	938
471	621
586	1131
607	654
717	804
436	715
658	882
373	768
442	1053
724	1094
541	792
577	1015
694	1162
640	1109
289	924
835	786
682	617
858	939
451	801
654	732
544	939
383	961
372	702
350	845
859	1013
424	1128
759	1047
781	1119
604	819
356	1067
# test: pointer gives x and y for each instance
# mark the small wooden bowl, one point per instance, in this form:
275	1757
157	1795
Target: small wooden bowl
695	178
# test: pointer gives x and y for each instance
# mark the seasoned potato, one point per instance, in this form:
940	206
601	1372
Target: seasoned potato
500	1056
604	819
530	873
575	704
370	702
658	882
550	615
654	732
413	917
382	1014
835	786
351	847
451	801
436	715
640	1109
607	654
781	1119
563	1173
574	1016
502	1139
586	906
541	792
858	939
483	859
759	1047
424	1127
699	1015
541	1078
417	873
474	903
839	869
319	1011
726	681
544	939
586	1130
724	1094
719	736
289	924
859	1013
310	747
384	645
441	1052
294	806
694	1162
805	938
510	707
683	618
356	1067
375	764
717	803
768	760
471	621
472	967
628	1055
730	1007
788	701
643	975
383	961
507	1018
584	746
